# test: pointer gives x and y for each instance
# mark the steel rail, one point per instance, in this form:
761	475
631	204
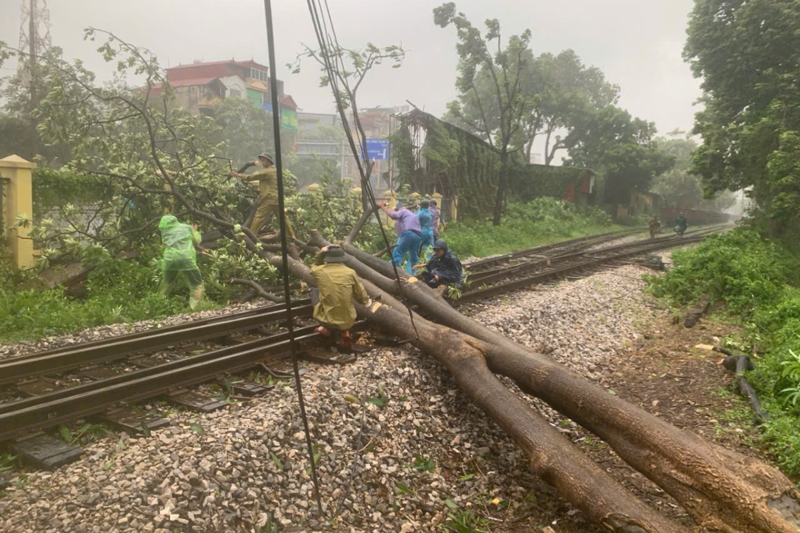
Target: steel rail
145	333
490	276
62	406
12	370
495	290
539	249
125	376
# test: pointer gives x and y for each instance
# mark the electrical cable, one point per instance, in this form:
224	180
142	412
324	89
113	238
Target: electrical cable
321	31
276	123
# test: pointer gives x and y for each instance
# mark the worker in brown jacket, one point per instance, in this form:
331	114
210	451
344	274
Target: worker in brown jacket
338	286
267	194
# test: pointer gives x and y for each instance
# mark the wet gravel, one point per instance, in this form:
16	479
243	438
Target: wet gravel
397	462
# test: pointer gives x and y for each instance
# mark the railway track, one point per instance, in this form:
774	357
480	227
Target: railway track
564	246
572	263
57	407
68	358
18	418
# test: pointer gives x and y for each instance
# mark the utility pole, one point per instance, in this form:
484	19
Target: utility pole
32	53
34	38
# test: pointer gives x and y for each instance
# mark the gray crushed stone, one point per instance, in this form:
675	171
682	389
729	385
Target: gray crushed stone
250	459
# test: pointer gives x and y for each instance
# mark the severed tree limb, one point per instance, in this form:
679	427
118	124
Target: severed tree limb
360	224
259	290
738	365
722	490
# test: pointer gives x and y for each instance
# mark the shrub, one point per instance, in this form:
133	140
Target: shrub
738	268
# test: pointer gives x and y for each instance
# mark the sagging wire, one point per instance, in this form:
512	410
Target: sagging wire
321	31
276	123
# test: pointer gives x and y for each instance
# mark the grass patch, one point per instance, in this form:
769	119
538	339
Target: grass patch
537	223
118	291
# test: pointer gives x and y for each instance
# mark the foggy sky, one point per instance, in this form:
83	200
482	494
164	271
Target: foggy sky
637	43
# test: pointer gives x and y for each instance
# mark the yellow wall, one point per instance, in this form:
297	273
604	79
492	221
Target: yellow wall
18	200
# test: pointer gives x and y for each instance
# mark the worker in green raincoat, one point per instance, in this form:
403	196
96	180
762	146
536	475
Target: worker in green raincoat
180	257
338	286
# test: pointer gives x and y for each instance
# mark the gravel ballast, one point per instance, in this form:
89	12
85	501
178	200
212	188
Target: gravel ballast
398	463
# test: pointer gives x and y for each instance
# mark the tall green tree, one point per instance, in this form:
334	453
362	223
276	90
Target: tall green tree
746	54
560	92
20	120
622	148
678	186
490	86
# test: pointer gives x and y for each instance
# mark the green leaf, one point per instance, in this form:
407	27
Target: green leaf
405	489
376	401
466	477
197	428
66	434
451	504
276	460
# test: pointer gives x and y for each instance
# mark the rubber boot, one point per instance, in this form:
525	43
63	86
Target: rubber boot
195	296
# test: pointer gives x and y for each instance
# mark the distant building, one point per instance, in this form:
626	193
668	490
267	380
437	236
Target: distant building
308	124
378	123
198	86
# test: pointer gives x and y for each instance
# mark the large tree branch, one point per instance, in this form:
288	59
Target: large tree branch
358	225
551	455
260	291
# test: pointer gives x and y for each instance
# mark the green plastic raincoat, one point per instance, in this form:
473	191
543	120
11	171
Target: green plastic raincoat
180	256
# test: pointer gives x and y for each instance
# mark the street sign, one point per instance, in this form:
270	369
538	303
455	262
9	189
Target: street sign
378	149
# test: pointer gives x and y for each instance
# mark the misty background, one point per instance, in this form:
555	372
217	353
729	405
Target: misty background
636	44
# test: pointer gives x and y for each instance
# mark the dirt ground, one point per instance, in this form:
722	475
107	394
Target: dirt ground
666	374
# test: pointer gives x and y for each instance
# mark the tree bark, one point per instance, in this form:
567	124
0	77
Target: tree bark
501	188
722	490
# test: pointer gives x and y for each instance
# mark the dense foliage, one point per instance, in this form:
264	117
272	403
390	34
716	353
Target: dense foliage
133	157
457	164
560	92
621	148
756	279
746	54
119	291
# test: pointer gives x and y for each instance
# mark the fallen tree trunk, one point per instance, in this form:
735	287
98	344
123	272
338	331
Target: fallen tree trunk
722	490
551	455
